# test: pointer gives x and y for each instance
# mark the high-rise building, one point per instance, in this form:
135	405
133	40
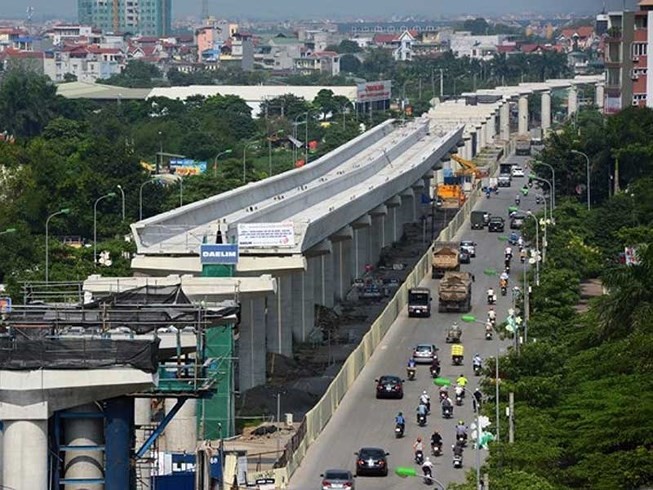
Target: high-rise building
144	17
629	38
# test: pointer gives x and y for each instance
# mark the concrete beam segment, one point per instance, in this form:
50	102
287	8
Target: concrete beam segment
251	344
279	318
395	201
572	101
362	222
25	454
522	120
345	233
600	95
206	289
84	464
379	211
303	305
151	234
181	432
324	247
546	111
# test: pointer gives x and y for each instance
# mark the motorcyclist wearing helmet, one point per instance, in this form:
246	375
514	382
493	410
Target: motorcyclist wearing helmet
461	430
425	399
477	361
436	439
508	252
422	410
491	314
418	445
411	363
461	381
427	468
435	364
478	398
400	420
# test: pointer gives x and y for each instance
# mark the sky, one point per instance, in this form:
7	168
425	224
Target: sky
279	9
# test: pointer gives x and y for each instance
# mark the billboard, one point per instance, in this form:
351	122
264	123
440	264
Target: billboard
266	234
373	91
187	166
219	253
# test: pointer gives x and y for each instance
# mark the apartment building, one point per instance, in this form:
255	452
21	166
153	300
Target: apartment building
144	17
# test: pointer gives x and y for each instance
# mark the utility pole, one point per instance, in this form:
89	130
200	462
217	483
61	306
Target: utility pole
441	83
496	393
511	417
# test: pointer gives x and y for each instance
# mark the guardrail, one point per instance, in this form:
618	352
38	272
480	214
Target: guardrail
317	418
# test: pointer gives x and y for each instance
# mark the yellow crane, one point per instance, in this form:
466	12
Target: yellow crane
469	168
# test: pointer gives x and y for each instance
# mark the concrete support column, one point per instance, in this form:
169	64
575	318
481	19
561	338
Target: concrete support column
303	304
467	150
522	120
393	222
572	101
377	233
546	111
418	188
25	454
490	126
251	344
181	433
142	417
600	95
328	287
361	244
83	464
504	121
279	317
480	131
341	268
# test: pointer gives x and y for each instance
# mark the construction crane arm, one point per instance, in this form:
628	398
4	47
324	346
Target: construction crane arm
470	167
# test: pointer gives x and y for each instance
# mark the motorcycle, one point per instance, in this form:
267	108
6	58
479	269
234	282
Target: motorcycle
419	457
459	399
410	372
461	440
488	333
421	420
493	321
399	431
517	201
457	461
427	405
504	290
447	412
506	266
435	371
428	476
538	200
477	369
436	449
491	299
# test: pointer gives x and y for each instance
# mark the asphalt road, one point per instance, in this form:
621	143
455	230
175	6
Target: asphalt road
362	420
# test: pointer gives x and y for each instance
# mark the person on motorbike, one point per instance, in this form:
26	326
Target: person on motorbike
491	315
436	439
478	398
461	430
435	365
421	411
460	392
447	404
504	277
411	363
458	450
489	328
400	420
461	381
444	392
520	242
517	199
477	361
427	468
425	399
507	253
490	295
418	446
522	255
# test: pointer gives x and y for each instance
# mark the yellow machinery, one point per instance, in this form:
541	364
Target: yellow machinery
451	195
469	168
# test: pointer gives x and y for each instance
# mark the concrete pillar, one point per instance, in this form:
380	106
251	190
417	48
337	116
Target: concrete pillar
489	137
25	454
279	317
393	224
377	232
341	245
142	417
600	95
418	188
546	111
251	344
522	120
316	265
480	132
361	244
83	464
181	433
504	121
572	101
303	304
327	279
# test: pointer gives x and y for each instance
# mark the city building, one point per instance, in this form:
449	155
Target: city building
627	40
144	17
476	47
400	43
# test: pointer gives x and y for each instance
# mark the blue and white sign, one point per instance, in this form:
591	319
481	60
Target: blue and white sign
219	253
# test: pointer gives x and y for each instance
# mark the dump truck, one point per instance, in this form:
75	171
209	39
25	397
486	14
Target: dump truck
455	293
479	219
446	257
450	196
523	146
419	302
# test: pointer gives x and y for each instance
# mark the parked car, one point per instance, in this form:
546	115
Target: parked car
337	479
517	221
425	353
468	246
389	386
372	461
497	224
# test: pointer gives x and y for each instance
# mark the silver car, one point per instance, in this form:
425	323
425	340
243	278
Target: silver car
337	479
425	353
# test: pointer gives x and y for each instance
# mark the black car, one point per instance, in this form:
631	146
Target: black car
389	387
372	461
465	257
497	224
517	221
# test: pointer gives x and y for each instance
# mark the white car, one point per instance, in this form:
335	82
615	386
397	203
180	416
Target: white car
517	172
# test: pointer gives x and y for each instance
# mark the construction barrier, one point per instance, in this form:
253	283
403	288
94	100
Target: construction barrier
317	418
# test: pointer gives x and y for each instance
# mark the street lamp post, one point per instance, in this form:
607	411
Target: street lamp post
553	181
140	197
97	201
587	160
47	241
8	231
122	193
245	157
276	133
215	161
551	191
